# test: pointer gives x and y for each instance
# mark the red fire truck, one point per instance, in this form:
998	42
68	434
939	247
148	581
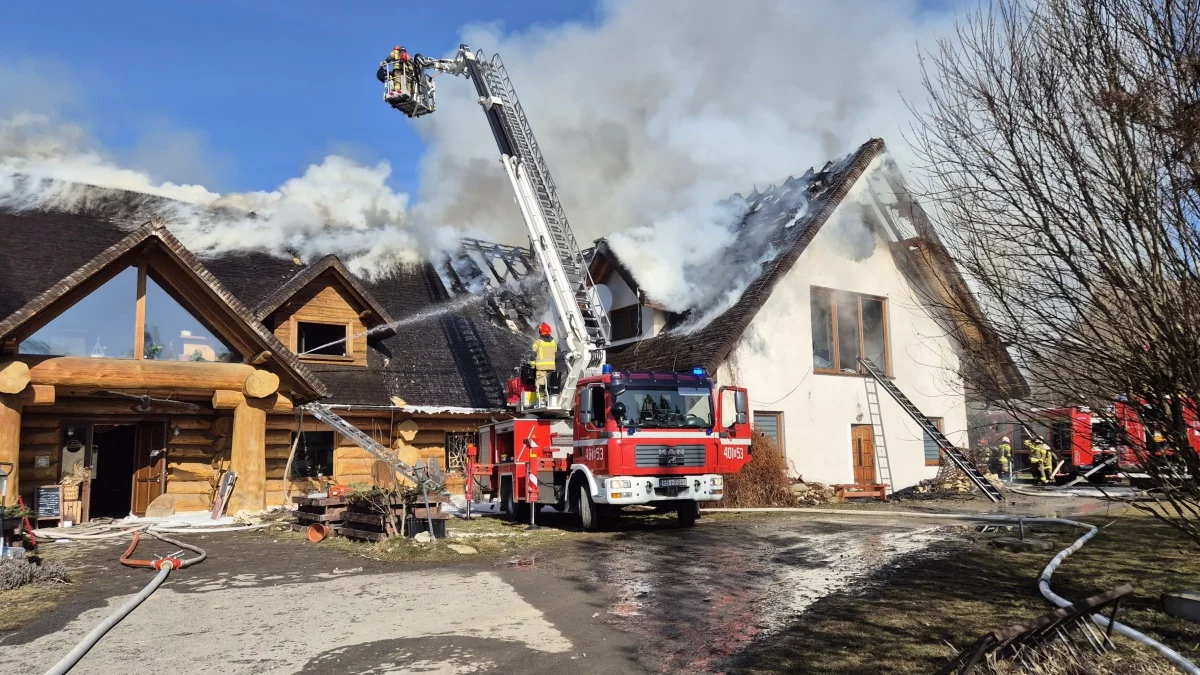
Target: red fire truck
593	440
1080	437
637	438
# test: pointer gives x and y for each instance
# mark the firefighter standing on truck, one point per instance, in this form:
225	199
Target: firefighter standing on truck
545	351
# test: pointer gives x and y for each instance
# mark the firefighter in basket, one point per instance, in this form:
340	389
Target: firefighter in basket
394	72
545	351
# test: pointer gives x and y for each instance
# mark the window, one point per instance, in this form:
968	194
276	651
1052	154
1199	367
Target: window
666	407
106	322
770	424
599	415
845	327
101	325
173	334
933	452
321	339
626	322
314	454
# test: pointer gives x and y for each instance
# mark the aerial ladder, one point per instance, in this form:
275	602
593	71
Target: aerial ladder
583	329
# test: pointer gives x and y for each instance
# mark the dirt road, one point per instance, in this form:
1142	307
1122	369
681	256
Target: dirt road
650	598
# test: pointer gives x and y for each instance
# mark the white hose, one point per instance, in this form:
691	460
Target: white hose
1171	655
68	662
179	527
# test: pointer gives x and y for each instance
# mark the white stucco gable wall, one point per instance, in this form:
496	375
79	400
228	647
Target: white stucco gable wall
774	361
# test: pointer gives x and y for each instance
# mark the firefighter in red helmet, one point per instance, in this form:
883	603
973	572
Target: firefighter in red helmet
399	64
545	352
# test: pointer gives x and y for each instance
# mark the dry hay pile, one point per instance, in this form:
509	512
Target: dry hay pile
16	572
763	481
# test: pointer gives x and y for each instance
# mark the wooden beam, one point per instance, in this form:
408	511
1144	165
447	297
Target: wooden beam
10	443
261	357
224	399
260	384
248	459
37	394
14	376
79	371
139	322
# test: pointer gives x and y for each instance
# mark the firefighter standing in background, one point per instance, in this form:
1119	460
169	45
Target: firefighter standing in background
1035	460
1004	459
545	351
983	457
1047	463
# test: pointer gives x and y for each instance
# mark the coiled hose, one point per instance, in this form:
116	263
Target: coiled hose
164	567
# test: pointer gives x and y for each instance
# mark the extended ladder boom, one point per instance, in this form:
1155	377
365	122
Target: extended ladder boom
583	321
948	449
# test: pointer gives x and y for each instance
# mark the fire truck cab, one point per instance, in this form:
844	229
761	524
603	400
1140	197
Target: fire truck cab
636	438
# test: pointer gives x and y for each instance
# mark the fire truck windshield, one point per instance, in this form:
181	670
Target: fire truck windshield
665	407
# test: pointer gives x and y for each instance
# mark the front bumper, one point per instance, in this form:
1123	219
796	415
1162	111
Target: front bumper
631	490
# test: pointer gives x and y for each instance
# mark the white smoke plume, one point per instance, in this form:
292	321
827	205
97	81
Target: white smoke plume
650	114
654	113
337	206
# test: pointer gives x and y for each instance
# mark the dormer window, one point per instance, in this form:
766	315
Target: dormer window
321	339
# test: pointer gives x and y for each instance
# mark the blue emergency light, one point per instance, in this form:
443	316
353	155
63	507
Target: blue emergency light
606	368
698	371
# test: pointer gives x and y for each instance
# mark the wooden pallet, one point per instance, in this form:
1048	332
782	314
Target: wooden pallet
856	491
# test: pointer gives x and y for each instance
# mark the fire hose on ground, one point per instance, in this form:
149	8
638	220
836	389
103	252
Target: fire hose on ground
164	565
1166	652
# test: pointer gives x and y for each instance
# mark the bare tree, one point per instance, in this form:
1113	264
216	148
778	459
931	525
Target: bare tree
1060	150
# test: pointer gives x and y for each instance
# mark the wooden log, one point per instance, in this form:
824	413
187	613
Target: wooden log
10	441
193	452
32	421
40	437
278	452
190	437
192	502
37	394
351	478
192	423
189	487
30	473
222	426
14	376
224	399
247	459
260	358
80	371
406	430
29	452
94	407
260	383
429	437
353	466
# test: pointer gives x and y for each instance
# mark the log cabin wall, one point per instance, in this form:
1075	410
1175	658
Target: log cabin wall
322	301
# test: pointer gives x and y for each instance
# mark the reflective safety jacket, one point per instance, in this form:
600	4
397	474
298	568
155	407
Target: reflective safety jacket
544	352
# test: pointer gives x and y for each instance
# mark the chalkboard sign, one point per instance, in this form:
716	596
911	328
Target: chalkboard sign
48	499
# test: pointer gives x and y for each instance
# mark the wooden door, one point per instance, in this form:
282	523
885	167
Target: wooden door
863	450
149	465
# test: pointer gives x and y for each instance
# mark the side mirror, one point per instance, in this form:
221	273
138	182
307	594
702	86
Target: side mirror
617	390
585	416
619	411
741	404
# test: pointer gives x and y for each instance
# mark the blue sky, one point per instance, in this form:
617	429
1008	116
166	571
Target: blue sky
259	90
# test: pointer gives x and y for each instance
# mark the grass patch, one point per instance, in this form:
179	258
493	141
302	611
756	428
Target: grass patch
903	620
43	587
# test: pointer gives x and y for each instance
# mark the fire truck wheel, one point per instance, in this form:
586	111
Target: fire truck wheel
589	516
688	512
507	502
